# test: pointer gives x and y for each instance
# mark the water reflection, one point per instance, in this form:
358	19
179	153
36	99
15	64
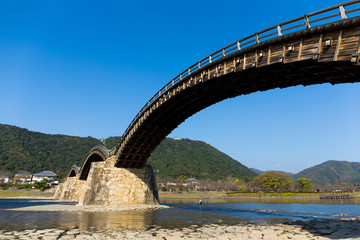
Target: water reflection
184	213
85	220
116	220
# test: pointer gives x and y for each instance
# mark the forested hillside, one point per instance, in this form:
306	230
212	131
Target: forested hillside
21	149
192	158
332	172
195	159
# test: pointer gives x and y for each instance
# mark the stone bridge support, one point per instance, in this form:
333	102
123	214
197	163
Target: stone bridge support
111	186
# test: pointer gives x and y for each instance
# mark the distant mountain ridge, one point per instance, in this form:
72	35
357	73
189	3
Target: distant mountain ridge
257	171
332	172
21	149
329	172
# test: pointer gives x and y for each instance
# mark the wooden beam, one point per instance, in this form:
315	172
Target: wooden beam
337	46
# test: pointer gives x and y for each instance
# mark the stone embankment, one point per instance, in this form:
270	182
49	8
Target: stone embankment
297	230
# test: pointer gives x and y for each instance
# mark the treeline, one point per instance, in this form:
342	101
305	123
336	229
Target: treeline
21	149
270	181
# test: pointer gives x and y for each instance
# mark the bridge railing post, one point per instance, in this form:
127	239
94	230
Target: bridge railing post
307	21
342	12
279	30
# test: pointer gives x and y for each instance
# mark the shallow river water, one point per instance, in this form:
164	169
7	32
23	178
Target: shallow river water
183	213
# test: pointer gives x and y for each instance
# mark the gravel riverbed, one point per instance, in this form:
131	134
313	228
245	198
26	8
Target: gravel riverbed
337	229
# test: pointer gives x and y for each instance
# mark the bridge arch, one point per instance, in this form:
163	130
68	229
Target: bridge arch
96	154
327	53
74	171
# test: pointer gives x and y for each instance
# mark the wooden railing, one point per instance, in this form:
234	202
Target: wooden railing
331	14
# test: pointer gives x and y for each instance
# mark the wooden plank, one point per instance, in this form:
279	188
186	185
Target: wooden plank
319	47
292	56
348	52
307	56
300	49
276	54
311	46
352	32
350	39
244	61
344	58
262	60
337	46
348	46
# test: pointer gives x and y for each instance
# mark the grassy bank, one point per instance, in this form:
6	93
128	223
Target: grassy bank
34	193
263	195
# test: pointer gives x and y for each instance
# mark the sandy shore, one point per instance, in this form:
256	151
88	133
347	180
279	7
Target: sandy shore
88	208
297	230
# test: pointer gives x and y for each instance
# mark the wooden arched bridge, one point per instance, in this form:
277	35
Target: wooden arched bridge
319	47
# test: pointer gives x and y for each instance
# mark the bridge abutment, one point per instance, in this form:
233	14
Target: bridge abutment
111	186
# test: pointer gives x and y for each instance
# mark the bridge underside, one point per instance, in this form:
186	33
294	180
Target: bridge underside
266	66
177	109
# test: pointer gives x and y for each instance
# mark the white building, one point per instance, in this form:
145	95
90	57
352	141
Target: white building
38	177
23	177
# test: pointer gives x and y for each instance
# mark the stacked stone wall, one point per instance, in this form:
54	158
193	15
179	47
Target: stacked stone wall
70	190
111	186
120	186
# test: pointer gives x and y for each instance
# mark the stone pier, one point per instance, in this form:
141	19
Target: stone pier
100	183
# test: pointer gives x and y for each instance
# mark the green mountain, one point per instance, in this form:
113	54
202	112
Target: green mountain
195	159
21	149
332	172
192	158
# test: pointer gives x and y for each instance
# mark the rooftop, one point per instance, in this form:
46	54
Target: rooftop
46	174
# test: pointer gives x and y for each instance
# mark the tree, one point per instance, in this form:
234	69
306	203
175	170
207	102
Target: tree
5	173
303	184
274	181
242	188
42	184
182	178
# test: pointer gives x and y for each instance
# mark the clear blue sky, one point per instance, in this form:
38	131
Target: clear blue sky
85	68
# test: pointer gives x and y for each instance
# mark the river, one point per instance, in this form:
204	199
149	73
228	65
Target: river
183	213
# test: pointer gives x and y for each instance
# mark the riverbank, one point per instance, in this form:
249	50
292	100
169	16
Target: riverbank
252	195
296	230
88	208
33	193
